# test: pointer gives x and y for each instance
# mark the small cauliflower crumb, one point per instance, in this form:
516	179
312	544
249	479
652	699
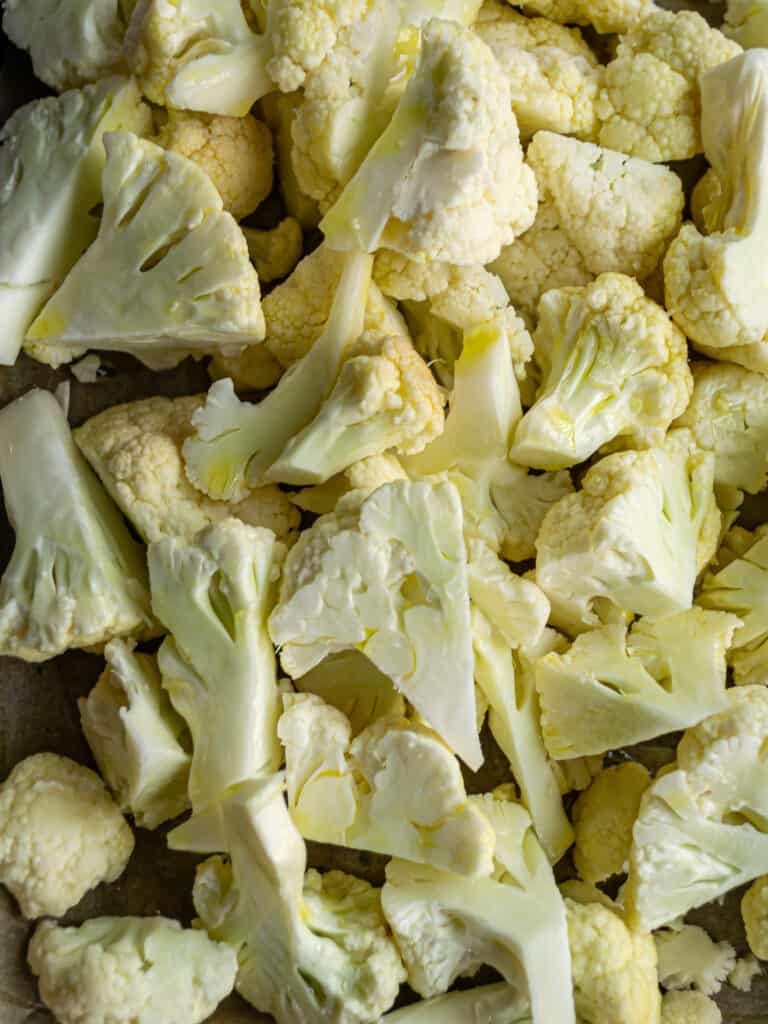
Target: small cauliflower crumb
61	834
754	911
603	818
689	1008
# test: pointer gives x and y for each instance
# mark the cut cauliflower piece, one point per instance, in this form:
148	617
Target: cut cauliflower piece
366	476
754	913
689	958
621	213
302	33
701	827
172	268
279	111
744	972
388	577
633	539
650	103
446	180
136	450
603	817
613	364
613	688
607	16
514	605
276	251
707	202
61	834
352	684
253	369
689	1008
395	789
115	969
235	153
746	21
69	43
51	158
191	55
501	1004
446	925
136	737
76	577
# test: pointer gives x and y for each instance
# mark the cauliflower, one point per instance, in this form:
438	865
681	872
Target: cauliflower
743	973
136	450
352	684
446	925
706	202
746	21
634	538
76	577
276	251
366	475
650	103
70	43
446	179
500	1003
253	369
614	365
395	789
51	156
553	74
61	834
214	594
388	577
279	111
754	912
603	817
606	15
619	212
192	55
172	268
302	33
311	948
688	957
121	970
136	737
235	153
689	1008
700	831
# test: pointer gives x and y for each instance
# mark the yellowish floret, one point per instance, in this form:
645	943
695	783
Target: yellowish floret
754	912
603	818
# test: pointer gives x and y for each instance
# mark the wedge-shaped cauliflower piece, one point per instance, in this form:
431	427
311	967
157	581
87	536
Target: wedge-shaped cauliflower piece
61	834
501	1004
633	539
603	817
650	103
715	285
613	365
214	594
447	926
446	179
700	831
754	913
136	450
613	688
621	213
69	43
136	737
311	948
168	273
130	969
395	789
192	55
302	33
352	684
388	577
728	415
746	21
76	577
235	152
51	157
688	957
237	442
689	1008
605	15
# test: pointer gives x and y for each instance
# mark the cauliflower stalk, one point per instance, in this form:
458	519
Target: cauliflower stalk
688	957
603	816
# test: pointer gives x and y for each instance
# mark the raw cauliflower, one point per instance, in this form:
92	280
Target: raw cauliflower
61	834
706	202
605	15
754	912
650	102
366	476
279	111
301	33
689	1008
254	369
275	251
688	957
136	450
235	153
603	817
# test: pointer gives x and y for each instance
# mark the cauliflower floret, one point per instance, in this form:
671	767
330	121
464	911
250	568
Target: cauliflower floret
136	450
606	15
614	365
501	1003
302	33
621	213
254	369
121	970
446	180
746	21
275	251
235	153
61	834
603	817
744	972
279	111
689	958
689	1008
754	913
352	684
707	202
366	476
553	74
650	103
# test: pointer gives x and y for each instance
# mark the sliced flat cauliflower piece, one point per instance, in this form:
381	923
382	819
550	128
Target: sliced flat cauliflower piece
61	834
275	252
352	684
746	21
690	958
603	816
112	970
689	1008
501	1003
395	789
235	152
302	33
446	179
167	274
613	365
633	539
388	577
621	213
605	15
754	913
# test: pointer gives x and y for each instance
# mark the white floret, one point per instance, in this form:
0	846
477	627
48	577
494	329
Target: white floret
690	958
